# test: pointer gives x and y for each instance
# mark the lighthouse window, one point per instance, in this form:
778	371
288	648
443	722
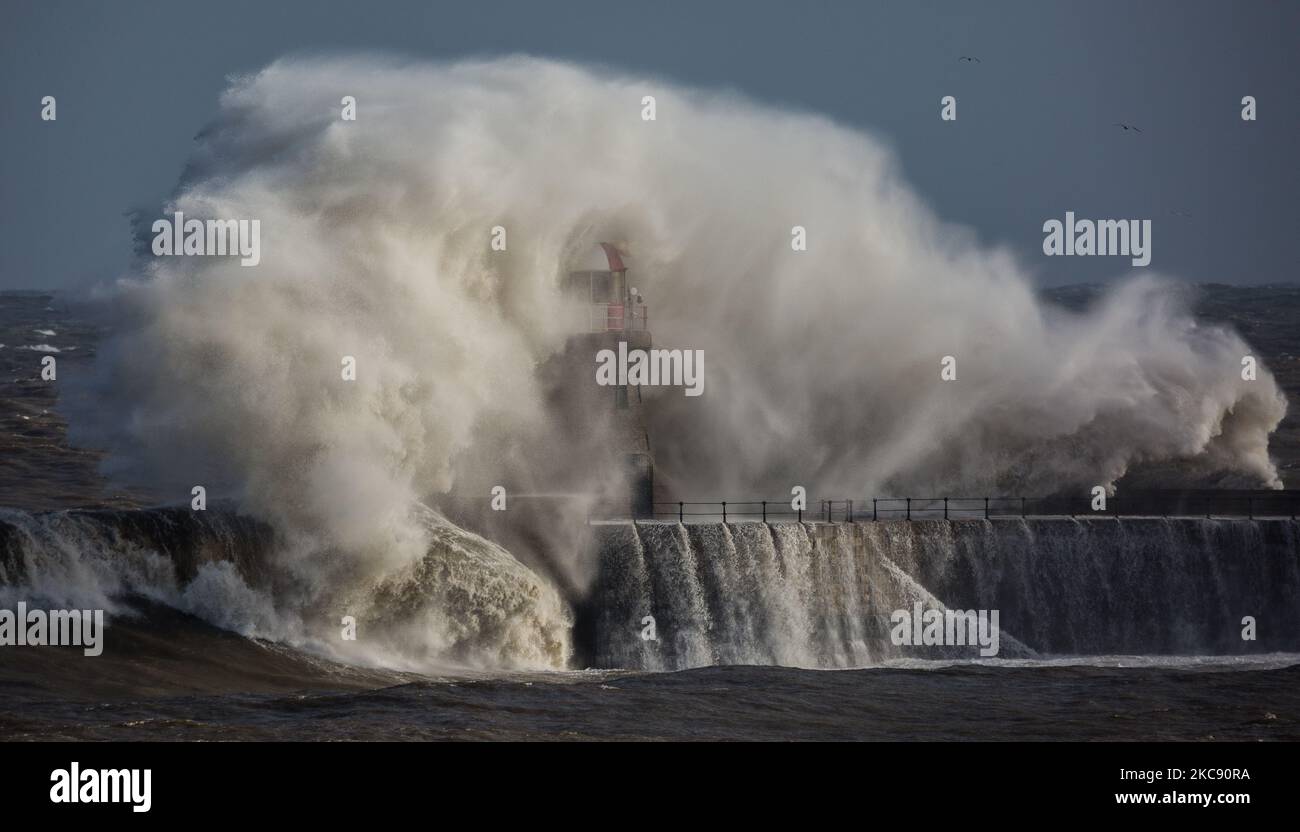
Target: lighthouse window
602	288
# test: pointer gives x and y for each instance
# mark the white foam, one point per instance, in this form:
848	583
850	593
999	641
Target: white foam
823	363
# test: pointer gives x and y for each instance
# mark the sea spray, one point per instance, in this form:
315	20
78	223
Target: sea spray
376	250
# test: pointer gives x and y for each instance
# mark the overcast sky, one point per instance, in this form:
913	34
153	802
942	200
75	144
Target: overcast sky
1035	135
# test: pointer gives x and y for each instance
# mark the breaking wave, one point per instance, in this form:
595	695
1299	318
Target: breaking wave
467	604
823	365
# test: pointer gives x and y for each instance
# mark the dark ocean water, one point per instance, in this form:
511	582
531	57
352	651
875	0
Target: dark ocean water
168	676
165	675
1208	702
39	468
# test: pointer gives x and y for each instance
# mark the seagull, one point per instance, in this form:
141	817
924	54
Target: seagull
969	59
1128	127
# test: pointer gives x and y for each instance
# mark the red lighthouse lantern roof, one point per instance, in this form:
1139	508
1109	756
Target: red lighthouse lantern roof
614	256
602	257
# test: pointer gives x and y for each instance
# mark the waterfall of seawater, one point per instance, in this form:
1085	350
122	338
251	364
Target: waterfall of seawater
466	604
821	595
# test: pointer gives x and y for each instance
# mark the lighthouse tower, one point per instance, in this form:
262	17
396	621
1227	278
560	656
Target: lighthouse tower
597	461
607	309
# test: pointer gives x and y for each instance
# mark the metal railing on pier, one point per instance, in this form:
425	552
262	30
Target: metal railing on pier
1187	503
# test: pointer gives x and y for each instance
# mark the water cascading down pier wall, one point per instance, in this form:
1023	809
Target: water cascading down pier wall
821	594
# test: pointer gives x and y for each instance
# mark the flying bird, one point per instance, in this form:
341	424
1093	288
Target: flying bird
1128	127
969	59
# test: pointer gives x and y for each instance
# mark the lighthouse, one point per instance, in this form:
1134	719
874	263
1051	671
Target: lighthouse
606	310
595	461
599	281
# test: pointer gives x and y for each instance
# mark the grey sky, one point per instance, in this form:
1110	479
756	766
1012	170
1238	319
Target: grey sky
135	81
